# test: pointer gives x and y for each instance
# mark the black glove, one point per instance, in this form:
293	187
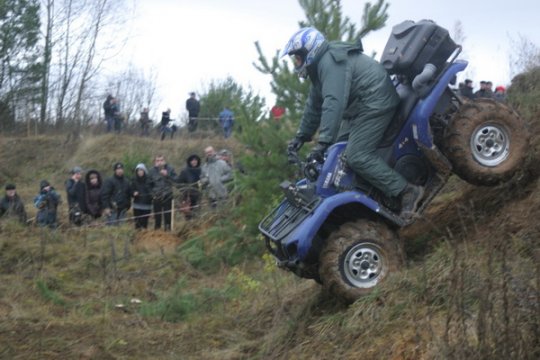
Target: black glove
317	153
295	145
292	150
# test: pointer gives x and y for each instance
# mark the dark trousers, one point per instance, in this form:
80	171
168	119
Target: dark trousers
110	123
192	124
141	218
162	209
365	134
117	125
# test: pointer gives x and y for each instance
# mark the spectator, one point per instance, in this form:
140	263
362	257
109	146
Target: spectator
484	91
226	119
352	92
167	126
109	112
162	178
500	94
142	197
12	205
277	112
47	204
193	107
76	196
93	194
489	89
227	156
467	89
214	174
189	178
145	122
116	196
118	119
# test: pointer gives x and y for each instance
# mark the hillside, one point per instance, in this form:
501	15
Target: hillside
469	290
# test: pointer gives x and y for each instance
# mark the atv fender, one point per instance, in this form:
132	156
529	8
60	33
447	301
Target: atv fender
423	110
302	236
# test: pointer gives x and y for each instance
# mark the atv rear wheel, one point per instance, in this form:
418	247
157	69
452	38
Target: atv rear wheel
486	142
357	257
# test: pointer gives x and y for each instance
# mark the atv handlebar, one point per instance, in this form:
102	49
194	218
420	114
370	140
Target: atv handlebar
310	168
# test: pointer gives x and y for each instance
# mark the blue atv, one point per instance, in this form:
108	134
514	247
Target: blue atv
335	228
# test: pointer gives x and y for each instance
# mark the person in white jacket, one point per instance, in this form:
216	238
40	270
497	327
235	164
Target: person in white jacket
215	174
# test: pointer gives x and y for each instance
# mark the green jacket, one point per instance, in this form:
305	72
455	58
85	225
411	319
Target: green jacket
345	84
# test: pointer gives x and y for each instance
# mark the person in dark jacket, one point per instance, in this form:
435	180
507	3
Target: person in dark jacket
166	127
162	177
12	206
485	90
109	111
500	94
116	196
351	97
467	89
93	184
189	181
145	122
47	203
142	197
76	196
193	107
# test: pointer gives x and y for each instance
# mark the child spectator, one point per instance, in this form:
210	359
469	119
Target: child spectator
47	204
93	194
142	197
189	178
76	196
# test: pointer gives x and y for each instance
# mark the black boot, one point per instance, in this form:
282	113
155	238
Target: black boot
410	197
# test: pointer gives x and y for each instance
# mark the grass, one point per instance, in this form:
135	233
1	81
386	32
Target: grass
469	290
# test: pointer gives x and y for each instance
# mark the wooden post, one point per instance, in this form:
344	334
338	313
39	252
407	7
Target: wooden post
172	215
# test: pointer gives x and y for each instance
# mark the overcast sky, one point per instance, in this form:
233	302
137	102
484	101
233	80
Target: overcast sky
190	42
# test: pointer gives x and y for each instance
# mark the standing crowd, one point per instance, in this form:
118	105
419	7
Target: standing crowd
147	192
466	89
167	126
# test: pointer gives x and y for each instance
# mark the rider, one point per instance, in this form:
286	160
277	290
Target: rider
351	96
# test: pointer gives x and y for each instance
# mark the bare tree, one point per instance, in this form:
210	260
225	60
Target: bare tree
459	36
47	55
525	55
80	37
134	89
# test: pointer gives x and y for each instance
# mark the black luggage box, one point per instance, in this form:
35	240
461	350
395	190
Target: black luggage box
412	45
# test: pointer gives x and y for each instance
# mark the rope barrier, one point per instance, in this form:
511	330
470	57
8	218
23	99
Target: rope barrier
105	222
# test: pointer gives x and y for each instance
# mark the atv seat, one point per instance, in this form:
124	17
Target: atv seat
408	99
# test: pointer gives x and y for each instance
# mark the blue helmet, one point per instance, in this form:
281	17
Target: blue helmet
305	43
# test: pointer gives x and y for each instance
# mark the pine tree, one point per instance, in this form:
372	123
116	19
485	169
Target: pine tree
19	56
327	17
265	138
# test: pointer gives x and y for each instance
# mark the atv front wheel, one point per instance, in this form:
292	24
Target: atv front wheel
357	257
486	142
